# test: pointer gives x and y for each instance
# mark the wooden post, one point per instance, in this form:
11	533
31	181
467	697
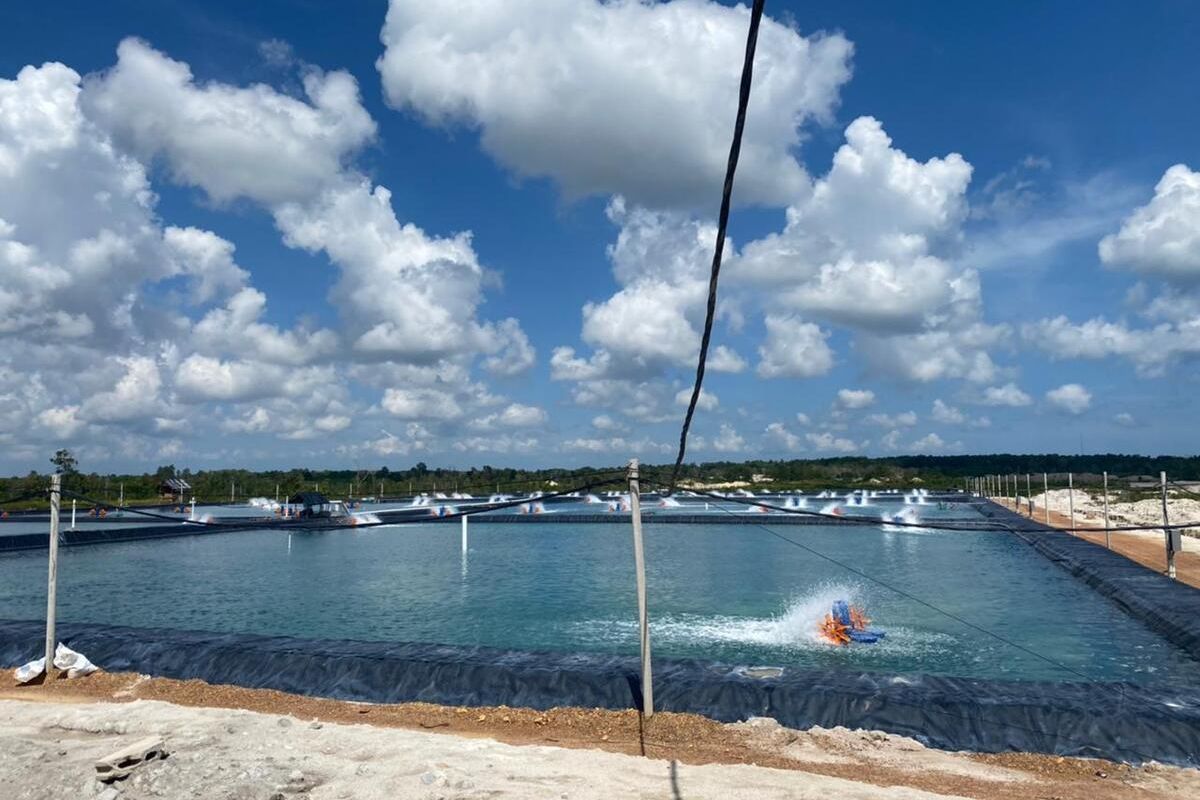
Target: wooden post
1107	540
52	585
1167	532
277	494
1071	497
1029	495
639	561
464	534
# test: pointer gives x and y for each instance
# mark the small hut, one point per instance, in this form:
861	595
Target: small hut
172	488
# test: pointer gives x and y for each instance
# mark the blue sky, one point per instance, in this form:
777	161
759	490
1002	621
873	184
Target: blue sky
278	234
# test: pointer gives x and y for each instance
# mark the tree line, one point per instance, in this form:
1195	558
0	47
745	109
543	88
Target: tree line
222	485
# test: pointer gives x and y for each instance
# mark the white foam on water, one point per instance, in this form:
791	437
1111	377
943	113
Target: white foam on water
794	629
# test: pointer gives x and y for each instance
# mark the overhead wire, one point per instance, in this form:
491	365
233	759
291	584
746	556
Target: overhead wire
875	521
735	149
318	522
962	621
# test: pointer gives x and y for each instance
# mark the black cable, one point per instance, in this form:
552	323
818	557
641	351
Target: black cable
735	149
922	602
21	498
316	524
1180	488
484	509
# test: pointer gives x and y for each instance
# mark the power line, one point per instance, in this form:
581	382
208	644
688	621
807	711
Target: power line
735	149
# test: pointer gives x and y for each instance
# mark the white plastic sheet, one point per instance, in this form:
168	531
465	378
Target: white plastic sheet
27	672
75	665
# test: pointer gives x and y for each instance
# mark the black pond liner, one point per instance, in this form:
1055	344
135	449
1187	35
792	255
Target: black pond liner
1124	722
1170	608
1119	721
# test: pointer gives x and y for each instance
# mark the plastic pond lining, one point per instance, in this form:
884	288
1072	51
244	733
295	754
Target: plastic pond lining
1170	608
1123	722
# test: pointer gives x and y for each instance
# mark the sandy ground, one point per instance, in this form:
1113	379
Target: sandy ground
1089	509
245	744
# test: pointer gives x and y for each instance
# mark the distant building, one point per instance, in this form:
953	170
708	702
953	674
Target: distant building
174	487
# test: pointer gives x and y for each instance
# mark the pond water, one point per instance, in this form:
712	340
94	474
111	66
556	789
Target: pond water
732	593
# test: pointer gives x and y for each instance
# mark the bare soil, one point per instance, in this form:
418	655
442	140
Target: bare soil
858	758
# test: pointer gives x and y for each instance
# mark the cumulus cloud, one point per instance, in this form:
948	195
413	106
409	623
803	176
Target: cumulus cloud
829	442
1070	397
1007	395
514	415
728	440
231	141
777	433
706	402
855	398
928	443
624	98
1150	350
1162	238
860	250
793	349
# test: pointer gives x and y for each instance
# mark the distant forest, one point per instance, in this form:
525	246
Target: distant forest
224	485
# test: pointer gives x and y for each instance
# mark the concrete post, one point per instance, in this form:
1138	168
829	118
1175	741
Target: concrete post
1046	497
1170	535
1107	539
639	560
464	534
1071	497
52	584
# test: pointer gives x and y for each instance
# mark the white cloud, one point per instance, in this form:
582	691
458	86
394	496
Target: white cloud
207	258
793	349
1162	238
728	440
1125	419
134	396
947	414
860	250
905	419
891	440
1070	397
928	443
725	359
1007	395
420	404
707	401
232	142
616	98
254	421
63	423
803	418
514	415
235	328
855	398
828	442
200	378
603	422
1149	349
777	433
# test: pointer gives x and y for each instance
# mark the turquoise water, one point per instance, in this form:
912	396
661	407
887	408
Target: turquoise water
732	593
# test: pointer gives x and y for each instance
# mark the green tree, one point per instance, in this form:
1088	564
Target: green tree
65	463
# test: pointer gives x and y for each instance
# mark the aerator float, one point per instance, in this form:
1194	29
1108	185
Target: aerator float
846	624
